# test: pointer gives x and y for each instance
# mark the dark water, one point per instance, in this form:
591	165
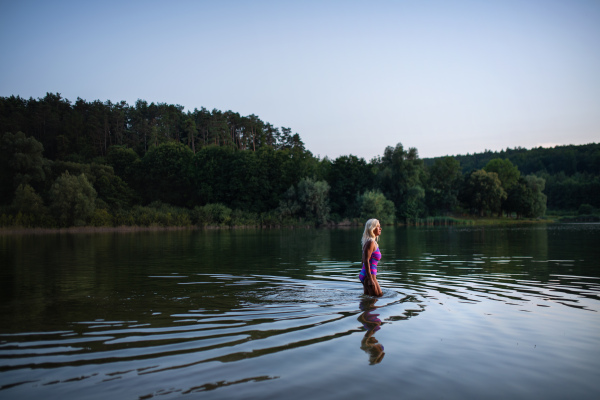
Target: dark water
467	313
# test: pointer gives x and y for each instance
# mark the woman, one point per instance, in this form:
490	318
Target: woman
370	256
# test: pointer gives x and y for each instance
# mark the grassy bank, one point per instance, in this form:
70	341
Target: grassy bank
581	218
443	221
479	221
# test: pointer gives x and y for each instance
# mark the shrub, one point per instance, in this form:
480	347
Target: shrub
28	203
212	214
123	218
585	209
102	217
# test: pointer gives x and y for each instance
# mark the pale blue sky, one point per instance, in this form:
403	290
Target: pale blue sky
351	77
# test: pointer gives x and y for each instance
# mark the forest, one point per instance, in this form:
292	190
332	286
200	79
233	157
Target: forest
66	164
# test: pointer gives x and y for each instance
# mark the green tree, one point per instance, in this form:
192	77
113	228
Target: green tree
519	199
231	177
443	185
313	197
73	199
413	206
348	176
400	175
536	185
111	188
28	202
526	199
483	192
275	176
507	173
373	204
191	133
122	159
165	174
21	162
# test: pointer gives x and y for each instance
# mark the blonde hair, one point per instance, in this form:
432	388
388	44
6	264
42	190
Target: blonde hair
368	233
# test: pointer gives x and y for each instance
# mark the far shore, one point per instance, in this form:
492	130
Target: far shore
91	229
127	228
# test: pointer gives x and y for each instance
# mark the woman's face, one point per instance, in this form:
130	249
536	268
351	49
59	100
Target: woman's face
377	230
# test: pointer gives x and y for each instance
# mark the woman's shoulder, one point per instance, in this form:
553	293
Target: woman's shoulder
372	244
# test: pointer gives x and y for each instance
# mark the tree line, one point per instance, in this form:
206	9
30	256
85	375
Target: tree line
82	131
572	173
107	164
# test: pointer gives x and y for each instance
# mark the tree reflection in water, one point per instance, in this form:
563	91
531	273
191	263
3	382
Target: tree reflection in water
372	324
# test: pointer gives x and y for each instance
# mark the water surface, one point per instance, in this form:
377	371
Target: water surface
484	312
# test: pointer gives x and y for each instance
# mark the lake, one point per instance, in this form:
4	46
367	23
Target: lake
467	313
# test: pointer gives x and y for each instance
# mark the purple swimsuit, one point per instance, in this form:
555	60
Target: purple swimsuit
375	257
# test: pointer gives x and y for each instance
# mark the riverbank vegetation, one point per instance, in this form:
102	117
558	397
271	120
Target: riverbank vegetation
66	164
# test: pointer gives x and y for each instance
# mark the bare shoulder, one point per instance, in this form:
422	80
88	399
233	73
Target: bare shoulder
372	245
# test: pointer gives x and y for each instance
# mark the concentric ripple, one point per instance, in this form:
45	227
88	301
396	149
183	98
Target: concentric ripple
263	315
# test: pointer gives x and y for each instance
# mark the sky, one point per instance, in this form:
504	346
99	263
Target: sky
350	77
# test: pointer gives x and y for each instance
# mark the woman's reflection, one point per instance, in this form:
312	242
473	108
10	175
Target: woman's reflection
371	323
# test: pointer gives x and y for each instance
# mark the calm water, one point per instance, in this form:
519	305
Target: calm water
467	313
